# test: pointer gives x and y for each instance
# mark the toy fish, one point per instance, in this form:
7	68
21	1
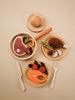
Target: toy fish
36	76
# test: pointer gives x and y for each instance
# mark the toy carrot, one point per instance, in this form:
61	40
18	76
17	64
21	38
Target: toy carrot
43	33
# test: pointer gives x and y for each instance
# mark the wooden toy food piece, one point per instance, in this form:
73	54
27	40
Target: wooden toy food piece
57	47
43	33
36	76
29	50
31	43
25	39
55	43
18	47
36	21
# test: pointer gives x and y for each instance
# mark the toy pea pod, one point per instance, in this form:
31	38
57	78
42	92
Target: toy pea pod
31	43
25	39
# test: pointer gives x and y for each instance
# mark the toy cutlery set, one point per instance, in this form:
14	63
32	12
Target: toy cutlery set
23	46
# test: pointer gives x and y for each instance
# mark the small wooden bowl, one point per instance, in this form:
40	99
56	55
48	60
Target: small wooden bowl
24	57
28	69
36	29
45	50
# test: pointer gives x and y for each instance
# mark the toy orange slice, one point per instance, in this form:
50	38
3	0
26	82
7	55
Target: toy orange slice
36	76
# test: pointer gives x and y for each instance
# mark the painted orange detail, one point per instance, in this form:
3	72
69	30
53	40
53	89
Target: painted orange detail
33	76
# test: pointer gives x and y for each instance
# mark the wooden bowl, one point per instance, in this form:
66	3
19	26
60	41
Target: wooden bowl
28	69
45	50
36	29
24	57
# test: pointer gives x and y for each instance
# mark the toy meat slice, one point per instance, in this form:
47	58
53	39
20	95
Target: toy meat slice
18	47
36	76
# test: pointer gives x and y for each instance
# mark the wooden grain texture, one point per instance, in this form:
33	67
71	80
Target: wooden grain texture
45	50
24	57
28	69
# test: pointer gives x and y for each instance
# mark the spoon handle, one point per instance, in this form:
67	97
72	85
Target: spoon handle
52	83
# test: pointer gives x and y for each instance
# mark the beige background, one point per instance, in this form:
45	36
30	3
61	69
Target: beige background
60	15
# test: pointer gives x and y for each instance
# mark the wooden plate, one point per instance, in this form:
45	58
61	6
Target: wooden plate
45	50
28	69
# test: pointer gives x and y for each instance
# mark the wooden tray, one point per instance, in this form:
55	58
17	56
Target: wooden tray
28	69
45	50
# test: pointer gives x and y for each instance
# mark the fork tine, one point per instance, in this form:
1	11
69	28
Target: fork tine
56	64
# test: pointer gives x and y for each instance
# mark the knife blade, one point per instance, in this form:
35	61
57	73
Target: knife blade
20	75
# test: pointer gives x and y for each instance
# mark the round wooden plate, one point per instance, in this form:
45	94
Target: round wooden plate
28	69
45	50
